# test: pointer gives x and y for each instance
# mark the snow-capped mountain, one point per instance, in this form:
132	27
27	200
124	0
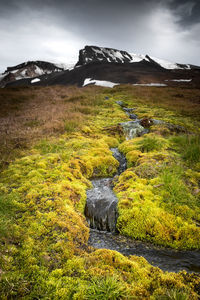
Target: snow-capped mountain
29	69
91	54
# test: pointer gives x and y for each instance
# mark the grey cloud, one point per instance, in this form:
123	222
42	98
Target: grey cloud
51	29
188	11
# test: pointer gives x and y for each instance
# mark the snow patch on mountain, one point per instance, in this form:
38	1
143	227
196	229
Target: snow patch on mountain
169	65
150	84
103	83
182	80
137	57
35	80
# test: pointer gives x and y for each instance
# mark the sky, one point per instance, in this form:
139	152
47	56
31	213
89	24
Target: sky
55	30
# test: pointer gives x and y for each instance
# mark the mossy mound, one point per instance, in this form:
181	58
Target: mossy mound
155	199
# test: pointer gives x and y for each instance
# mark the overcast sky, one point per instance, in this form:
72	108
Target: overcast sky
55	30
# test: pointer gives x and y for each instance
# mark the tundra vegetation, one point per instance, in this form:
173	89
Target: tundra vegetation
53	141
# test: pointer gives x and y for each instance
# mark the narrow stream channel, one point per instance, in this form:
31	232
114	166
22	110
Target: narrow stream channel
101	214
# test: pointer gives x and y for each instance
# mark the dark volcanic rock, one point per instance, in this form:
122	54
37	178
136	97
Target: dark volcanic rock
91	54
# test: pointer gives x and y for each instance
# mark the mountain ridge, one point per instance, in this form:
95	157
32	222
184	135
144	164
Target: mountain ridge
101	63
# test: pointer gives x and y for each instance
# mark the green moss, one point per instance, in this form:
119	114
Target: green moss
160	210
44	251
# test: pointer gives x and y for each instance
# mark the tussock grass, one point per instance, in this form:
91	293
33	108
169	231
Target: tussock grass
72	125
175	191
106	288
174	295
189	147
151	143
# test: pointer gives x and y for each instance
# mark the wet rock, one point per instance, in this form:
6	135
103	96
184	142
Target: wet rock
157	122
132	116
171	127
146	122
176	128
101	207
128	110
133	129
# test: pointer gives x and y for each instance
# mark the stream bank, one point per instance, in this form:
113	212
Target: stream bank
101	214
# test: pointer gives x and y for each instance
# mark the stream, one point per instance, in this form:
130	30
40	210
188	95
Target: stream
101	214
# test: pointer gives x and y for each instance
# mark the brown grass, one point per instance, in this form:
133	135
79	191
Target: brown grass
29	114
182	100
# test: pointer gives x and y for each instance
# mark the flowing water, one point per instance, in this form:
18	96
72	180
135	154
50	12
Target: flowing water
164	258
101	214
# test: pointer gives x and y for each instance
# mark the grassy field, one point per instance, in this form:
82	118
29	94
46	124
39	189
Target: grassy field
53	140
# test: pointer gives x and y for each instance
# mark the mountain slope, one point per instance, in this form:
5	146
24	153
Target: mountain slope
106	64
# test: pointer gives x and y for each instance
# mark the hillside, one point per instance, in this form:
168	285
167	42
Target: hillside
55	143
104	64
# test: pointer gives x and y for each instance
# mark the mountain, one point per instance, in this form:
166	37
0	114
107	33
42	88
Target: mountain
107	67
29	69
91	54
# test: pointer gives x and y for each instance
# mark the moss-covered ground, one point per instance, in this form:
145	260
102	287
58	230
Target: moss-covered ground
44	234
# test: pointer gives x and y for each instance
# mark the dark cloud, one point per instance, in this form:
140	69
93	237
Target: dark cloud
51	29
188	11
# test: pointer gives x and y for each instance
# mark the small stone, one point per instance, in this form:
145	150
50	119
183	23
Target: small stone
121	103
158	185
132	116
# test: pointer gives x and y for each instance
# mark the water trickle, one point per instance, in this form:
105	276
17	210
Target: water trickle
101	206
165	258
121	159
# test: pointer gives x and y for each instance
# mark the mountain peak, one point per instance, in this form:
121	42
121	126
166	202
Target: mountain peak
94	54
91	54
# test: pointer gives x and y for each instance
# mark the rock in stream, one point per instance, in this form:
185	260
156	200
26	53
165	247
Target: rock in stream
101	207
